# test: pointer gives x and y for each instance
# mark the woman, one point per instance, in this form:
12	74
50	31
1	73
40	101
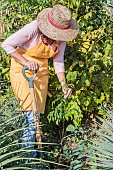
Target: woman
37	42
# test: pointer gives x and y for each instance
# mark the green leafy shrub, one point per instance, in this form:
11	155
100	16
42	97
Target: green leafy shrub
88	59
76	147
88	62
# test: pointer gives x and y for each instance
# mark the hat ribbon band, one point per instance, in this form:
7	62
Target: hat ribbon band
55	25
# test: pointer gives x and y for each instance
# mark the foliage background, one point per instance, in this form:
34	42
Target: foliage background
88	61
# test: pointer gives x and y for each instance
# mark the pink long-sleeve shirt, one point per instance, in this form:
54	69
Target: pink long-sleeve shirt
27	37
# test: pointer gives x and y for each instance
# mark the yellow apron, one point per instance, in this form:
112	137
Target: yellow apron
40	54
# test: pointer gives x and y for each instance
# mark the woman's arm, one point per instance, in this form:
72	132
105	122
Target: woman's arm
60	70
22	60
66	90
18	38
61	78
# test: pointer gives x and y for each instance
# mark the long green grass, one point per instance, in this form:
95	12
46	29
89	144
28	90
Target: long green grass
102	147
12	155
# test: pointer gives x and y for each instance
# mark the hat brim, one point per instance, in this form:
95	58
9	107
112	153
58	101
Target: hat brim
54	33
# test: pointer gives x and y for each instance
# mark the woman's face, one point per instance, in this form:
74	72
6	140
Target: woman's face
46	40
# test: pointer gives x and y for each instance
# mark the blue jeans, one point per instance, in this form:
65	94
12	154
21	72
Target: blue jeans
28	135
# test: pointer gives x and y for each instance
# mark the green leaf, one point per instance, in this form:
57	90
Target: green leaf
87	83
5	70
70	128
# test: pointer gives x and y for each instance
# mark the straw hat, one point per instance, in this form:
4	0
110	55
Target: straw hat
57	23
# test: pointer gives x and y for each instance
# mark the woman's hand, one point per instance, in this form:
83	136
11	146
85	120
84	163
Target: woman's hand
67	91
32	65
22	60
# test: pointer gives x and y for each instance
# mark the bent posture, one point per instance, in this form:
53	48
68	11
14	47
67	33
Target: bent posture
36	42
